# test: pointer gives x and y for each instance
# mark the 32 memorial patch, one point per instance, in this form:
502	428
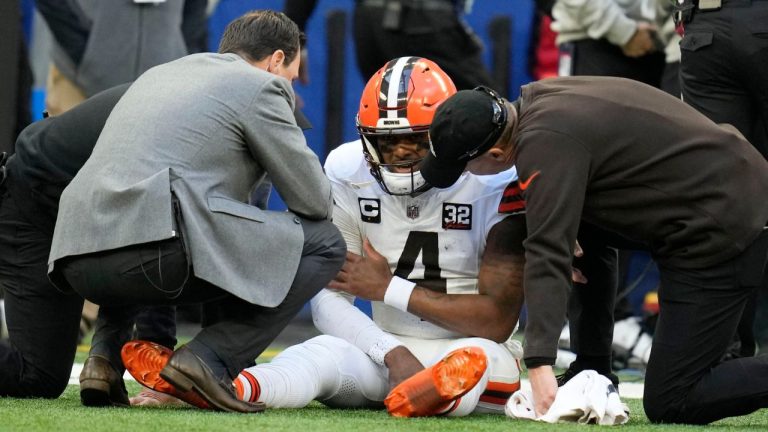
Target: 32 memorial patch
457	216
370	210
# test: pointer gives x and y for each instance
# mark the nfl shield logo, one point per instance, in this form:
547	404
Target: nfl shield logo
412	211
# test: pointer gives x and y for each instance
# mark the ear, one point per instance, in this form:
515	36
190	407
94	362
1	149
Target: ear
277	58
496	154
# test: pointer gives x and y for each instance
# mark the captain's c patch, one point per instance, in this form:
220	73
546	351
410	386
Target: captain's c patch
370	210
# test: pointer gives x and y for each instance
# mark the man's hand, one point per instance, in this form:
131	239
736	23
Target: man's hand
366	277
642	42
576	274
402	364
544	388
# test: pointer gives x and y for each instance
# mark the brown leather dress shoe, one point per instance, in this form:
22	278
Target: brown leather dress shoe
101	385
187	372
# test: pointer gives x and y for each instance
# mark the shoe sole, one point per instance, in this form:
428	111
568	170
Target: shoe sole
429	391
185	384
144	361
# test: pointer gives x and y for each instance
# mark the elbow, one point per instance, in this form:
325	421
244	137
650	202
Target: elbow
314	212
317	210
501	335
503	317
501	329
314	215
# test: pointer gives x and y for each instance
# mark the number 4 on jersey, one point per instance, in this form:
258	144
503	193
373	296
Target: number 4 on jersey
424	243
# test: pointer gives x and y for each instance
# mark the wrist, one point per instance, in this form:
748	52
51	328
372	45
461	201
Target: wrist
380	349
540	369
392	355
534	362
398	293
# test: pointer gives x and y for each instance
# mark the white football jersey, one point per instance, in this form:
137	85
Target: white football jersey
435	239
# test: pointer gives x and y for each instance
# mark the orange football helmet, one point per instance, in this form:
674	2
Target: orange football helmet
400	98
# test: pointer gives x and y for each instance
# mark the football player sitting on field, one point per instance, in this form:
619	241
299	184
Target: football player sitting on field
442	267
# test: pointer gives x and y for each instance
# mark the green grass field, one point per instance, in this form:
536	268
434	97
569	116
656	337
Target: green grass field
66	414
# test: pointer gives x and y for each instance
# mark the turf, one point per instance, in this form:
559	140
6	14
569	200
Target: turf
66	414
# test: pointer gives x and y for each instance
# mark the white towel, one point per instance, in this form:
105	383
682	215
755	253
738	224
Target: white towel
587	398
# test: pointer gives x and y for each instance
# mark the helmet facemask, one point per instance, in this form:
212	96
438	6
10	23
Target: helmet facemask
400	177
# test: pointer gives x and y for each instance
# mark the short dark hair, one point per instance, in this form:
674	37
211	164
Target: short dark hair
258	34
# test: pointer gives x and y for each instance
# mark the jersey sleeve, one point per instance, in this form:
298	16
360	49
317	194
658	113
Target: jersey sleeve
344	217
333	312
512	201
344	198
497	198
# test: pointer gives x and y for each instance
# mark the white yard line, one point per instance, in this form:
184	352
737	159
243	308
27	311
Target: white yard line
75	374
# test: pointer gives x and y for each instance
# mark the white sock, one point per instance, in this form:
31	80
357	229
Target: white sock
292	379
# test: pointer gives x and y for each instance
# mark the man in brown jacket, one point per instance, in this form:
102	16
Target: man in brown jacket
640	166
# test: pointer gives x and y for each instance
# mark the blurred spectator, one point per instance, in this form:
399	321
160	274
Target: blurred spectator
724	75
610	38
724	69
435	29
102	43
670	80
544	53
194	25
16	82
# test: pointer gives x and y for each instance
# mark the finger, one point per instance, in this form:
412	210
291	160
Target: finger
541	405
577	276
353	257
342	276
351	262
578	251
370	251
337	285
346	267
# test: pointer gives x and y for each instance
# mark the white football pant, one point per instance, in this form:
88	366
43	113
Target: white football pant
338	374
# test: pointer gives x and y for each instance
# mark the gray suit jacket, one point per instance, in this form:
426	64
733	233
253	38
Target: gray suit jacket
207	127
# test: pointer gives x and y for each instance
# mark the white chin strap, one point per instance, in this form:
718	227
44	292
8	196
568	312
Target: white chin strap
402	183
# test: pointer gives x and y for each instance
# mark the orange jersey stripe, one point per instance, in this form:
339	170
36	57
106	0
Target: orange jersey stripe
255	387
493	400
502	387
498	393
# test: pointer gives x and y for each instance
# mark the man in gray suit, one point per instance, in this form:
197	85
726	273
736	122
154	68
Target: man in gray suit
158	213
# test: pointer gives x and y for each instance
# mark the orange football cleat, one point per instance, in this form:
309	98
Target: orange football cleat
144	360
430	391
